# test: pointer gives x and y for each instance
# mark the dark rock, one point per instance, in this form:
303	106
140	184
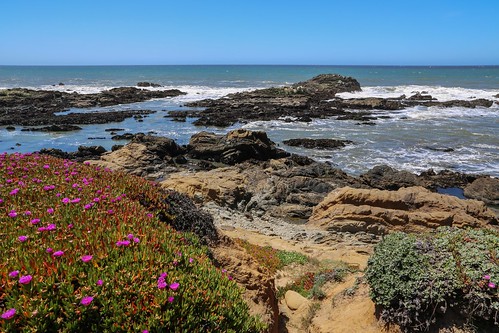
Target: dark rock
159	146
317	143
92	151
234	147
125	136
441	149
114	129
418	96
10	128
97	138
445	179
485	189
148	84
54	128
386	178
116	147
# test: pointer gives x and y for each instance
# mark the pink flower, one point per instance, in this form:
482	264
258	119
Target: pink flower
13	274
49	250
14	191
42	229
163	275
149	215
129	236
87	206
170	299
58	253
86	258
492	285
12	213
35	221
70	225
50	227
28	213
86	300
110	211
25	279
65	200
136	240
9	314
22	239
100	282
174	286
46	166
50	210
96	200
76	200
122	243
486	277
145	331
191	260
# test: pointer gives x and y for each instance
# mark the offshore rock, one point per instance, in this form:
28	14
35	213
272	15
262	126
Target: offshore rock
317	143
412	209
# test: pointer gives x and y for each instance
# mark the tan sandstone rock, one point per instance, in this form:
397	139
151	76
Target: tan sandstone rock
294	300
411	209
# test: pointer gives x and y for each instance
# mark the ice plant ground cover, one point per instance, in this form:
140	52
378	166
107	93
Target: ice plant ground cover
416	278
80	253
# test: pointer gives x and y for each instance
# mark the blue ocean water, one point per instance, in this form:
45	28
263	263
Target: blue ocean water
411	139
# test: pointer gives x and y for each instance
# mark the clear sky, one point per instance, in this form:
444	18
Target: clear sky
334	32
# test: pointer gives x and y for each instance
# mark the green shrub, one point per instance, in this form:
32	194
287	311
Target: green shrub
80	253
413	278
291	257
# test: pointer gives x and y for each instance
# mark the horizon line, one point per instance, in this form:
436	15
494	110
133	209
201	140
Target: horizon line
318	65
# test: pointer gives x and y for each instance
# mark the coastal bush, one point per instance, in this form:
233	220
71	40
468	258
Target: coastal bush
414	278
81	253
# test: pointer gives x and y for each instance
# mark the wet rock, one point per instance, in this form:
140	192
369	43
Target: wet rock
54	128
317	143
148	84
10	128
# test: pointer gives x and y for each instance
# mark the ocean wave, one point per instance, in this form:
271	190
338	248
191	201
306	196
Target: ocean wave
442	94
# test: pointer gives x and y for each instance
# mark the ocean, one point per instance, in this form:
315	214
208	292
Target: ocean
414	139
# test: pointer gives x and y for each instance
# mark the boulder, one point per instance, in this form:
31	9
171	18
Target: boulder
485	189
294	300
234	147
412	209
148	84
387	178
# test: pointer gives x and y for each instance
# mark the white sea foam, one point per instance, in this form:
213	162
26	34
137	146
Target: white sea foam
440	93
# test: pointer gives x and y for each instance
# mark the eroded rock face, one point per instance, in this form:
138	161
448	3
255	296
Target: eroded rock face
412	209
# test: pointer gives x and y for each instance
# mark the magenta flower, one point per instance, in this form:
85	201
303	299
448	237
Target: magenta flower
14	191
100	282
70	225
149	215
9	314
76	200
87	206
174	286
129	236
110	211
42	229
136	240
35	221
50	227
171	299
161	284
13	274
86	258
492	285
22	239
25	279
163	275
12	213
50	210
145	331
58	253
46	166
486	277
191	260
122	243
86	300
65	200
49	250
96	200
28	213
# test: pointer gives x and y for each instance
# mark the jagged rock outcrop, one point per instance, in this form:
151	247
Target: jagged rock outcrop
411	209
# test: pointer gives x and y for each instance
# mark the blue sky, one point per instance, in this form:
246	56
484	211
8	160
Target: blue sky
354	32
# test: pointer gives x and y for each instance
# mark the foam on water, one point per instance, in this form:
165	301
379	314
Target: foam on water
442	94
